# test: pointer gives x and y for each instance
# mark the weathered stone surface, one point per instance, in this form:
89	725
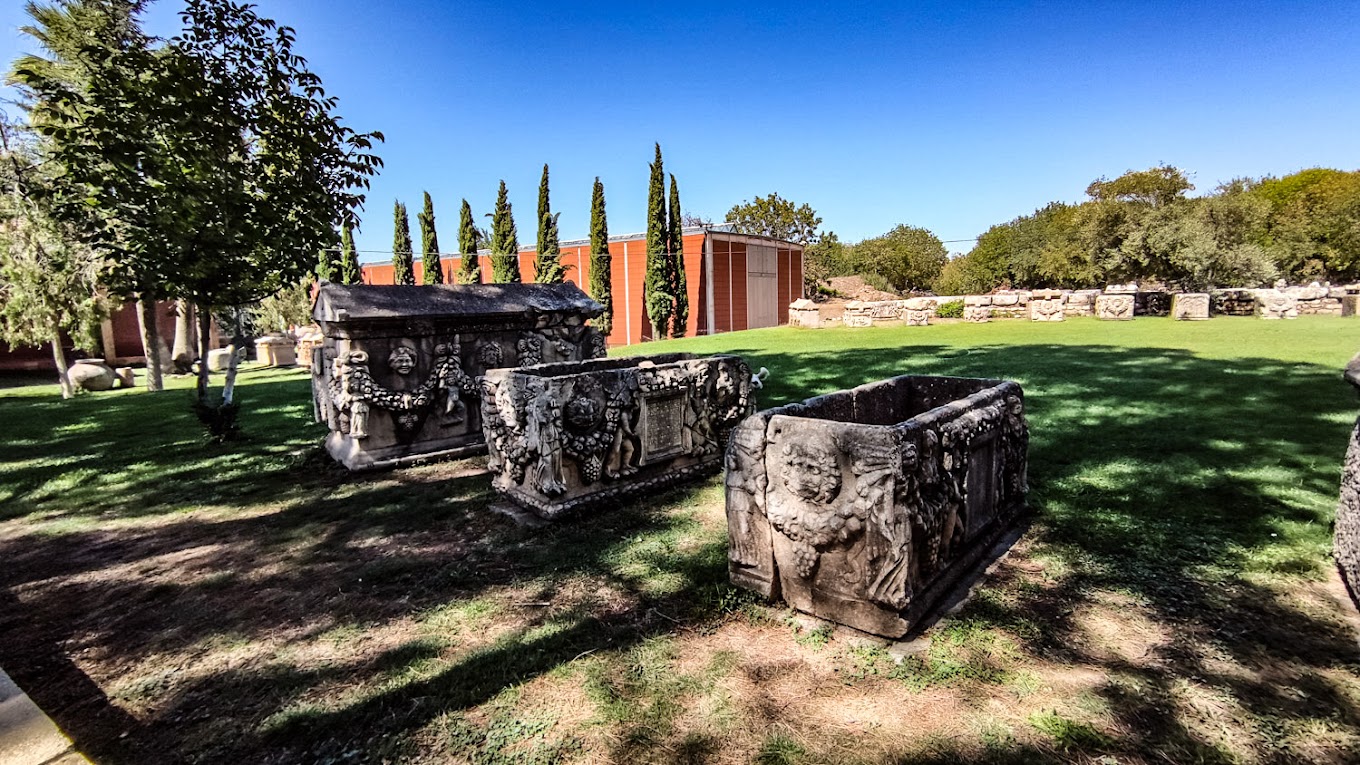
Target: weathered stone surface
1116	307
804	313
864	507
1190	306
1277	304
91	374
1046	305
395	377
568	436
220	358
127	377
1350	305
1081	303
977	314
977	300
275	351
1233	302
1346	544
1005	299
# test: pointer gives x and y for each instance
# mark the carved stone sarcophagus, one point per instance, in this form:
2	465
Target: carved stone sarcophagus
864	506
395	375
567	436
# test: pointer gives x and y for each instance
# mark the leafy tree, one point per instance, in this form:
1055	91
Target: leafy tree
211	168
504	241
429	245
907	257
328	261
777	217
656	295
403	260
48	277
290	307
601	288
1314	225
675	245
825	258
548	268
1153	187
350	270
469	270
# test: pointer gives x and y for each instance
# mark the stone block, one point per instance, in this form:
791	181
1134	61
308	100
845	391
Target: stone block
1005	299
977	314
1277	304
1046	305
276	351
1190	306
91	375
219	359
1115	307
577	435
977	300
127	378
869	521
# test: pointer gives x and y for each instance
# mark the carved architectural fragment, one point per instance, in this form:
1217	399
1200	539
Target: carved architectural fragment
916	312
573	435
1046	305
864	506
1190	306
1117	307
1277	304
394	377
1346	545
977	314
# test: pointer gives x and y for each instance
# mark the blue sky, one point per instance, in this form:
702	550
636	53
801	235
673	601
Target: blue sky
944	115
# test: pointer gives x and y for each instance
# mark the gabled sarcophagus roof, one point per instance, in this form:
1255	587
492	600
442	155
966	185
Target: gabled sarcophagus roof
468	307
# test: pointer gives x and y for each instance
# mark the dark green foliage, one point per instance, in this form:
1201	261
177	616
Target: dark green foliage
548	268
777	217
350	270
907	258
469	240
429	245
675	246
403	260
328	262
656	294
601	287
544	208
209	167
504	241
950	310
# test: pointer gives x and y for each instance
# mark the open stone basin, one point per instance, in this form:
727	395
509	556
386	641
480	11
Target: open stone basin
566	436
864	506
394	377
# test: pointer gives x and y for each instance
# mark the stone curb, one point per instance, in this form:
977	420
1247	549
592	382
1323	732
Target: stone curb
27	735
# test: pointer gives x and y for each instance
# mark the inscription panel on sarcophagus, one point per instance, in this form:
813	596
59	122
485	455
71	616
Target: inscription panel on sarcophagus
663	427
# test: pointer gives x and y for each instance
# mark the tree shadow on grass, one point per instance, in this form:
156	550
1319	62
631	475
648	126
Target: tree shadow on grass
1189	484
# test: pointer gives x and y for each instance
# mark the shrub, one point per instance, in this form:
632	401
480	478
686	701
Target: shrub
950	310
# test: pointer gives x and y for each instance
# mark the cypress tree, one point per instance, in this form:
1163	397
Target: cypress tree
469	271
548	268
429	245
328	262
676	248
350	272
656	294
403	260
543	209
504	241
600	287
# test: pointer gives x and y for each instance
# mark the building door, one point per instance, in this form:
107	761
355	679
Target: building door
762	286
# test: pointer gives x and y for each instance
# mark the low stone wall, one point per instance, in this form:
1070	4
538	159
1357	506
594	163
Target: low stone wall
563	437
864	506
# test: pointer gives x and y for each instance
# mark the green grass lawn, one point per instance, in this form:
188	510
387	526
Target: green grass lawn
171	600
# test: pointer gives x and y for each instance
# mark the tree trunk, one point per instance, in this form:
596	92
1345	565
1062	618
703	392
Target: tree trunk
58	355
186	327
151	341
204	345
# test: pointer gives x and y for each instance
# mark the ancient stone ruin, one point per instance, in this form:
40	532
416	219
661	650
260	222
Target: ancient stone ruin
1190	306
1046	305
1118	307
395	376
1346	545
865	506
563	437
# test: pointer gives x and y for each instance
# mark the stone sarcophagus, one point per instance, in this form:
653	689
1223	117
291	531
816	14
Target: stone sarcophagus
562	437
864	506
395	375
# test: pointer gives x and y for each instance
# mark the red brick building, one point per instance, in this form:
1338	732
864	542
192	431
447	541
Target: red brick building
735	281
